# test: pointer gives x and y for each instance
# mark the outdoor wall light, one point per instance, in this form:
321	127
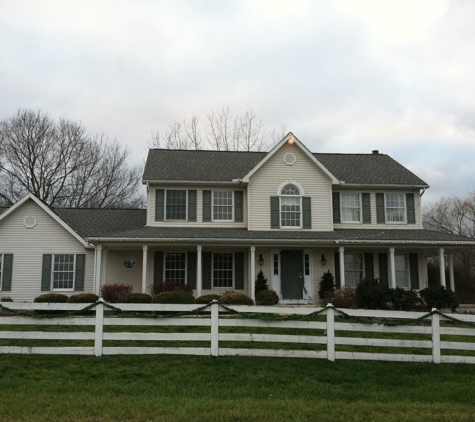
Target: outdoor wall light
261	260
324	261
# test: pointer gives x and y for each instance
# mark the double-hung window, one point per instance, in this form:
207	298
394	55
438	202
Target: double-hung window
176	204
223	205
223	270
350	207
290	206
395	208
402	273
175	267
353	269
63	272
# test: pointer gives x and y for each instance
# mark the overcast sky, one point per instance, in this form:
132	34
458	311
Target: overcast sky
343	75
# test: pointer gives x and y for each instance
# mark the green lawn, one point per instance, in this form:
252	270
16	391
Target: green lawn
192	388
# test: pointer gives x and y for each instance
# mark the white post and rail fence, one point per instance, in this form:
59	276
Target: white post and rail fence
214	330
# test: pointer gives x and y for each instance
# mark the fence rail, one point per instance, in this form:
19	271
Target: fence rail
329	334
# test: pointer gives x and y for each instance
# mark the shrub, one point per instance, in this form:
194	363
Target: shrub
267	298
439	297
261	283
51	298
371	294
235	298
114	293
343	298
327	285
404	300
171	286
207	299
174	297
83	298
137	298
6	299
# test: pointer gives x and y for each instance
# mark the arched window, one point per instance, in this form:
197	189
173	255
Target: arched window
290	206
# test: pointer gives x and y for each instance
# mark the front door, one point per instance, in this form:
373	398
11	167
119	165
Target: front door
291	263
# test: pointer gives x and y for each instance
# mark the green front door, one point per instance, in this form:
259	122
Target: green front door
291	264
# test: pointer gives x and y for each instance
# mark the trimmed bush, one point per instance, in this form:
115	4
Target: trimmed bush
327	285
261	283
439	297
114	293
343	298
6	299
83	298
267	298
203	300
371	294
51	298
137	298
404	300
174	297
236	298
171	286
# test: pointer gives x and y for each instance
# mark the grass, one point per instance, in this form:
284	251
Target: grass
193	388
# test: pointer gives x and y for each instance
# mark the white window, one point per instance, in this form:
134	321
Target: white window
175	204
223	266
175	267
63	272
290	206
395	208
350	207
402	273
353	269
223	205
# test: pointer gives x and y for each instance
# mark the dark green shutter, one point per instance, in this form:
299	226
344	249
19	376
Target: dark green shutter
366	199
206	206
383	268
206	265
238	206
336	207
337	270
380	213
274	212
46	273
191	205
239	271
158	267
368	266
80	271
411	209
7	272
414	271
191	269
307	212
159	204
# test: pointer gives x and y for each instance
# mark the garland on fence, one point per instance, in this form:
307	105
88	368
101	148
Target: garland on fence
266	317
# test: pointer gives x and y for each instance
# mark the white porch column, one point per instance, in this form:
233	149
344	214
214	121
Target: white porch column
144	268
341	251
199	279
393	267
442	267
105	255
451	272
252	283
97	269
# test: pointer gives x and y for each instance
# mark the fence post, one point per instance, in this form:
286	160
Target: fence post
99	329
435	337
214	328
330	332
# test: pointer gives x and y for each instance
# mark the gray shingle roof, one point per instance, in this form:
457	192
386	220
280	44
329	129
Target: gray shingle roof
224	166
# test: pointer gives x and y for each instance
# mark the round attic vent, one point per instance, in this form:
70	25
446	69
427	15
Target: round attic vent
290	159
29	222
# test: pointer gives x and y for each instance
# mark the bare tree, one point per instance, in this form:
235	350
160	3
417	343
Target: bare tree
62	165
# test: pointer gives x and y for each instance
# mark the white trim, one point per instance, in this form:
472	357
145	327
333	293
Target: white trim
360	221
232	205
386	208
213	287
290	182
59	289
305	150
165	206
49	211
165	253
144	268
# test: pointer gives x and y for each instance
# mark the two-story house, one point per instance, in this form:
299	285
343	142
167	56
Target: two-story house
216	218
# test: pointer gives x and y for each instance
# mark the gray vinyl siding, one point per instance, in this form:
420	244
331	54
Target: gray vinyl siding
274	173
199	207
374	224
29	245
113	269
